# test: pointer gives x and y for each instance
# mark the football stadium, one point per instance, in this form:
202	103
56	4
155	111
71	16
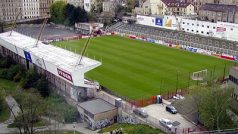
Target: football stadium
137	69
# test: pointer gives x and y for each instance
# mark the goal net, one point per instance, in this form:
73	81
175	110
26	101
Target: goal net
199	75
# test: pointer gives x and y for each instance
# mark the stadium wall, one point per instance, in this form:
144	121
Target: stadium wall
228	31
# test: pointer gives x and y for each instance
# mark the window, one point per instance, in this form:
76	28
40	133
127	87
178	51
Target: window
202	32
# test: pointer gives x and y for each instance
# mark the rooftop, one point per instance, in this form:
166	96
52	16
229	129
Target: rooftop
57	56
219	7
176	3
96	106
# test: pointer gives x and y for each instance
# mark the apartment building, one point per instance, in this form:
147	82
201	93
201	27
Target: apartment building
27	9
76	3
10	8
198	3
30	9
219	12
165	7
226	2
174	7
45	7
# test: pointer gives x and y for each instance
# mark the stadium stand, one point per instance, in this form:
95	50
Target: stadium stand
178	37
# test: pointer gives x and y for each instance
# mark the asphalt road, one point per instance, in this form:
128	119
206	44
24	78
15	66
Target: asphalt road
157	111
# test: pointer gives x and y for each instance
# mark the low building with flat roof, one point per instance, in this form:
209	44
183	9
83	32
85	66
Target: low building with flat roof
98	113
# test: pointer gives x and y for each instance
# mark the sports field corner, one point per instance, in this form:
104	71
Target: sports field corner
138	69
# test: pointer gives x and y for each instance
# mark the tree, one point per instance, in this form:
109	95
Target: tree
130	5
57	11
214	106
31	107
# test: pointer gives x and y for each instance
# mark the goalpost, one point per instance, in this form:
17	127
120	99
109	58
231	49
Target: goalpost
199	75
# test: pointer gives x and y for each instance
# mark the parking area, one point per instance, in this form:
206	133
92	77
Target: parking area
158	111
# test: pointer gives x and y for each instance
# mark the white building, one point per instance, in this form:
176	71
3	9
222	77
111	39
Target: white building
10	9
30	9
88	4
76	3
224	30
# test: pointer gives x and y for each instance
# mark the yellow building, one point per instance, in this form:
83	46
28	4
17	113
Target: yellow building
165	7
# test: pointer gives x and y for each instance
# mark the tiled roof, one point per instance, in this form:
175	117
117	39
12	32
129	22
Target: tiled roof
219	7
176	3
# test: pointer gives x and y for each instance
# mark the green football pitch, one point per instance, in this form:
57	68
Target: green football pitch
137	69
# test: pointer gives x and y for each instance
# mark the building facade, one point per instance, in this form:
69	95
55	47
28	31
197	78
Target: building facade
171	7
165	7
45	7
219	12
76	3
10	9
109	6
88	5
27	9
30	9
198	3
97	113
226	2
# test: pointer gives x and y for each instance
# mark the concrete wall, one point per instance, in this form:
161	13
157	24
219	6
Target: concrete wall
106	115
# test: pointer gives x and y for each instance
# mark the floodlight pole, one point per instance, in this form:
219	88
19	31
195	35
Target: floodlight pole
15	21
41	31
85	47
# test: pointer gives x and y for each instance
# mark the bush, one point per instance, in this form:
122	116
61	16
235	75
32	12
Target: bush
12	72
6	62
63	110
42	87
17	77
30	79
3	73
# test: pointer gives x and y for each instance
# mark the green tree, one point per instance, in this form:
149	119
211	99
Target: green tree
57	11
130	5
31	107
214	106
74	15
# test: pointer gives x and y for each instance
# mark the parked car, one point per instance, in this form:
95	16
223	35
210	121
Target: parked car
166	123
140	112
171	109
